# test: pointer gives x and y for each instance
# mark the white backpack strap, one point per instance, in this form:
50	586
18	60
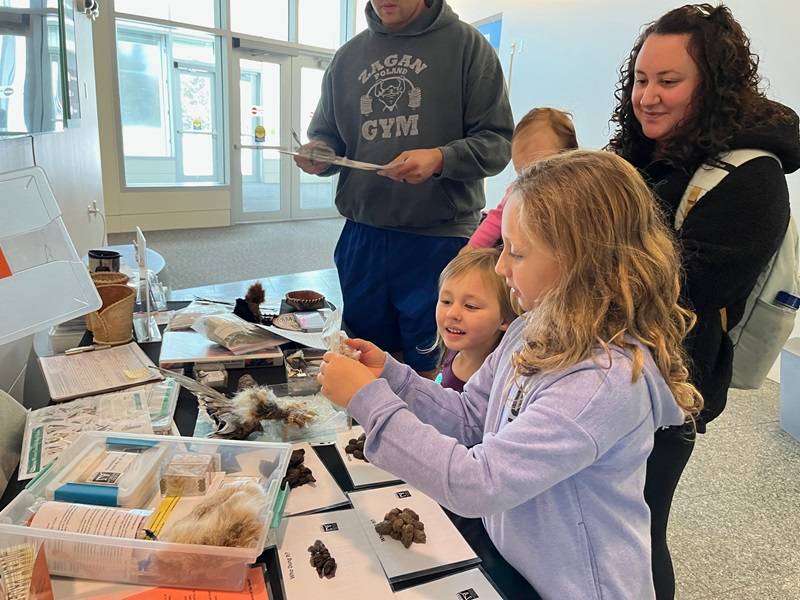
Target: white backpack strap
710	174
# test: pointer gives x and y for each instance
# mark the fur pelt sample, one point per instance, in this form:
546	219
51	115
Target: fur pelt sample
248	308
241	416
229	517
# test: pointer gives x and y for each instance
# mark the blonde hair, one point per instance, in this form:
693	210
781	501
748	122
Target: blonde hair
481	261
620	270
559	121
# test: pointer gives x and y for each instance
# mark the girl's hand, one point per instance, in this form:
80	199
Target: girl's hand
372	357
342	378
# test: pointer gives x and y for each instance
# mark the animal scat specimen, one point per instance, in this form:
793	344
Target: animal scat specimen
322	560
297	473
402	525
355	446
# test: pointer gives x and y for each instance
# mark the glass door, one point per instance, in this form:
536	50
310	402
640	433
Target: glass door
264	189
315	197
274	96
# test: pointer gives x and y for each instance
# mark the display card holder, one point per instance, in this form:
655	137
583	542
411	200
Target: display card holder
42	279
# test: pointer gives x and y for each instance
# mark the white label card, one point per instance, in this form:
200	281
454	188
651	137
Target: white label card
444	545
361	473
358	573
311	497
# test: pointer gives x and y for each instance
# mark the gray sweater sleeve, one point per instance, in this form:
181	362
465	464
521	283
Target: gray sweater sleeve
488	122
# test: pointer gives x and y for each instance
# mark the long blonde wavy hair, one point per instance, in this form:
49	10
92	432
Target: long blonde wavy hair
620	270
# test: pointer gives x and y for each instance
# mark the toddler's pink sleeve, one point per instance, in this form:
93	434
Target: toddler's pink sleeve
488	233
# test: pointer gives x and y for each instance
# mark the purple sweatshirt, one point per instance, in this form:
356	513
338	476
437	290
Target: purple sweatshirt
556	469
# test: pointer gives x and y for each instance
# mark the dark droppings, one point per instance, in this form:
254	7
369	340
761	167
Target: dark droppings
355	446
297	473
322	560
402	525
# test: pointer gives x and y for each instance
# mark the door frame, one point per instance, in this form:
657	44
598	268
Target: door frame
291	60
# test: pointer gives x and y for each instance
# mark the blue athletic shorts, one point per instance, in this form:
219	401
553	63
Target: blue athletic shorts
390	284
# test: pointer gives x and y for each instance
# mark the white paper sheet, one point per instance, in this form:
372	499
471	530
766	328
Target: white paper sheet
323	493
52	429
358	573
96	372
361	473
467	585
444	546
341	161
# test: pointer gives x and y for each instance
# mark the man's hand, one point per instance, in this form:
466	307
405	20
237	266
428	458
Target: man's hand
309	165
342	378
414	166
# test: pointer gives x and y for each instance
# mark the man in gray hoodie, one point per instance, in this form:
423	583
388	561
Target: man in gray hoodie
423	93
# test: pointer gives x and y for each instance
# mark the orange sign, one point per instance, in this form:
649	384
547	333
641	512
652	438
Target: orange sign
5	270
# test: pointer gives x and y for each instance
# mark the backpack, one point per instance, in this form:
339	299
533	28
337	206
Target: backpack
765	324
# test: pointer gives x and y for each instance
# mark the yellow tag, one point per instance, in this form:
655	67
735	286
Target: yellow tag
260	133
136	373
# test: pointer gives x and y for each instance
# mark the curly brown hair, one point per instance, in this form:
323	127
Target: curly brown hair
728	99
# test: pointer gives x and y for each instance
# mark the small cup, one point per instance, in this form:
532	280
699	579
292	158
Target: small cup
104	260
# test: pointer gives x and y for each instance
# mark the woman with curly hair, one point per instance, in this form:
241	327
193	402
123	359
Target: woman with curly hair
688	93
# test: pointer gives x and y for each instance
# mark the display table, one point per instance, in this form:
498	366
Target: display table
507	579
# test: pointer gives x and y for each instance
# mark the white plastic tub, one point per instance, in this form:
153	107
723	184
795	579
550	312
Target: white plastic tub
146	562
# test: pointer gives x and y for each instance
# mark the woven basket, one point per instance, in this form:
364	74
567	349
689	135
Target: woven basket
305	299
113	323
101	278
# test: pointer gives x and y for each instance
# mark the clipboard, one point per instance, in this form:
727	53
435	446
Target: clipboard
97	372
340	161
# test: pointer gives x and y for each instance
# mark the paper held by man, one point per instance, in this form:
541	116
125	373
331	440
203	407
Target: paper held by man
326	155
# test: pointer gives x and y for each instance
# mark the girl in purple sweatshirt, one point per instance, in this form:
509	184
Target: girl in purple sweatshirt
549	441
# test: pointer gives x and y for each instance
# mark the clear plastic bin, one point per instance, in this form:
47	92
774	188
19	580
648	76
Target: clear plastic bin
146	562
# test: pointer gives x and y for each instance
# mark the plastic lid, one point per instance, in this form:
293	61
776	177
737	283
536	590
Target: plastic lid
788	300
42	280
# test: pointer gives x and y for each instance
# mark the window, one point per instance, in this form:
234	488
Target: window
170	105
319	23
193	12
361	16
262	18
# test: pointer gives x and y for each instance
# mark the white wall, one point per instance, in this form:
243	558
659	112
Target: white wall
71	160
572	50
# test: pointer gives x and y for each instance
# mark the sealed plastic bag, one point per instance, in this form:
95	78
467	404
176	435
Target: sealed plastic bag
236	334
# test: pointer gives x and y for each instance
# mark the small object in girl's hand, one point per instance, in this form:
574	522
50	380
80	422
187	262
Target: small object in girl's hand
355	446
322	560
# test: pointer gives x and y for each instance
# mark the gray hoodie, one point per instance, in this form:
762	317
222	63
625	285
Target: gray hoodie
437	83
556	470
